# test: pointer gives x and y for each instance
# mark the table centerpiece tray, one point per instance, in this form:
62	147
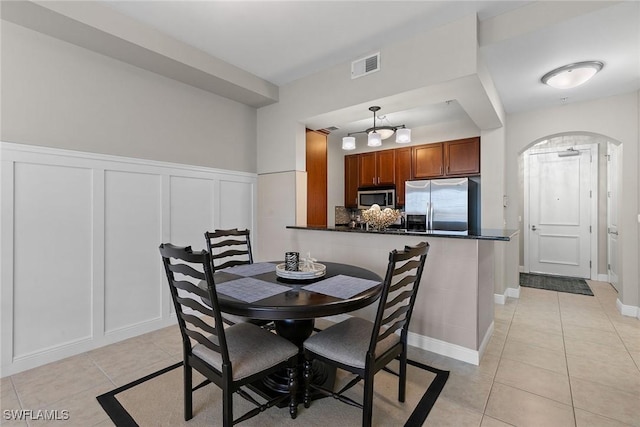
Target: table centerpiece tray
306	272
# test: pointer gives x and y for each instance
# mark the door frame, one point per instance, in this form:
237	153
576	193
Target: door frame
617	188
593	150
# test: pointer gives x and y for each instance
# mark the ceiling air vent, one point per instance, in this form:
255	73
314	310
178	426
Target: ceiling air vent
367	65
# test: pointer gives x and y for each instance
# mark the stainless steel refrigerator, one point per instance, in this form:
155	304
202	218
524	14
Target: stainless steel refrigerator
442	204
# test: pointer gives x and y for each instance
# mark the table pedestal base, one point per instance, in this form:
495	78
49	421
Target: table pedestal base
296	331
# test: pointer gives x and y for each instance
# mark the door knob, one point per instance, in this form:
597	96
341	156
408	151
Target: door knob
533	227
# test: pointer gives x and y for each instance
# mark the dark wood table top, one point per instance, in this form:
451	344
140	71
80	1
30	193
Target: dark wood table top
298	303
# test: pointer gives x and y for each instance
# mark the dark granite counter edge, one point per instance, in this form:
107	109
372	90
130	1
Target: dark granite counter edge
485	234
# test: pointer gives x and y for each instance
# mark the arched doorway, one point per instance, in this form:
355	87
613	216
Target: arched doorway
569	202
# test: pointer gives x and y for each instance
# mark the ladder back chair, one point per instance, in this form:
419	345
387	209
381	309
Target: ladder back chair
363	347
230	357
229	248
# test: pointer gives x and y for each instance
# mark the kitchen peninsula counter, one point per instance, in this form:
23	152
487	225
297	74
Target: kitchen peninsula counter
454	309
483	234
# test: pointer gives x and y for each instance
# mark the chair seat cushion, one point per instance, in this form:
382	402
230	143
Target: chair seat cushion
348	342
251	350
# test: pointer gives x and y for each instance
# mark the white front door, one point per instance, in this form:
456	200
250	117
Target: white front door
559	227
613	182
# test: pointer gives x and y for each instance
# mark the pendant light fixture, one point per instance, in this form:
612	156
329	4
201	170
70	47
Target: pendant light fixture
377	133
572	75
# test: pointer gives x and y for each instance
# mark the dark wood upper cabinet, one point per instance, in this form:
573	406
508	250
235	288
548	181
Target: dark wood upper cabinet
443	159
376	168
462	157
386	167
351	181
428	161
394	167
403	172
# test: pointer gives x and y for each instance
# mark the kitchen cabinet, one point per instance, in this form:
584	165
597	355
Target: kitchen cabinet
351	181
447	159
428	161
462	157
376	168
403	172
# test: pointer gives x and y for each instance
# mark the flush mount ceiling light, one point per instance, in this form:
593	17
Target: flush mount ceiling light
572	75
378	133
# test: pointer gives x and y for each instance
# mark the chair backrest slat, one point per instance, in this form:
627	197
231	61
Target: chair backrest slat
203	340
395	315
195	305
228	248
198	322
190	287
405	268
196	308
391	330
402	283
187	271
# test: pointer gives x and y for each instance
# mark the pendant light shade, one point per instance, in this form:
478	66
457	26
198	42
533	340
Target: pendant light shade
403	136
377	133
349	143
374	139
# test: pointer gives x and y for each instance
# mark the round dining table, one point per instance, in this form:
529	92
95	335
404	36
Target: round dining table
295	309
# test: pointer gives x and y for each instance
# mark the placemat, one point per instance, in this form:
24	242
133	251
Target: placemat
341	286
251	269
248	289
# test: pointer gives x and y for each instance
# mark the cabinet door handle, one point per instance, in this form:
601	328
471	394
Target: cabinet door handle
373	180
378	180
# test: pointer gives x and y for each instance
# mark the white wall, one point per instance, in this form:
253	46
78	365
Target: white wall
56	94
79	240
614	117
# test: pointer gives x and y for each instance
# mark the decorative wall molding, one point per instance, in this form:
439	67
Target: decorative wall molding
81	230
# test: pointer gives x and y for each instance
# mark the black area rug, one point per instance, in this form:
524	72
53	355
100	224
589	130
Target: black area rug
116	406
555	283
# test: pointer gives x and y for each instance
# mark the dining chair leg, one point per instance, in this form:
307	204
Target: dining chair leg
402	377
367	404
307	381
227	406
293	391
188	391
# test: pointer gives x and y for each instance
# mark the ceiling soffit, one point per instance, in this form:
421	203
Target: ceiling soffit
107	32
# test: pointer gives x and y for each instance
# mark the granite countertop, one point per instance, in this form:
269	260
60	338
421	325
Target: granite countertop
483	234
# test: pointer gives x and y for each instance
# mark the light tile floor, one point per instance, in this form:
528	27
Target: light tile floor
555	359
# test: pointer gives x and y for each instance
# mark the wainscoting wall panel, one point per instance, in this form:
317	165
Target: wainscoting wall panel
52	252
133	226
79	236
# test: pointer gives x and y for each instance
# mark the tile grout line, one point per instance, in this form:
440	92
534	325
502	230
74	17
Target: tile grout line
566	361
493	379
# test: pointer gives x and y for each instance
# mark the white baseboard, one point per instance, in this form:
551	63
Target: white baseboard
445	349
521	269
628	310
603	278
437	346
512	292
508	293
61	352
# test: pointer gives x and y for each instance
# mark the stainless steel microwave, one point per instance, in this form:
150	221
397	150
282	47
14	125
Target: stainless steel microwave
385	198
